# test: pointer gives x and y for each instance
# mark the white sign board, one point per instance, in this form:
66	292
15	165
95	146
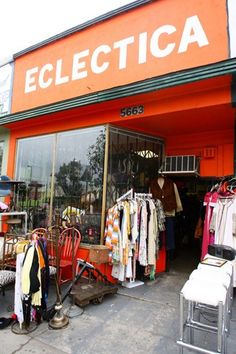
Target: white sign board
232	27
6	72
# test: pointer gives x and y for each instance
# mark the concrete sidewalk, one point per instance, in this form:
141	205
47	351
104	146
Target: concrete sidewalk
144	319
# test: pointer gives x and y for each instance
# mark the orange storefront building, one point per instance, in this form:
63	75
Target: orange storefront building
109	100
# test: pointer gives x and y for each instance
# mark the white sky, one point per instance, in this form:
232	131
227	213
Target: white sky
27	22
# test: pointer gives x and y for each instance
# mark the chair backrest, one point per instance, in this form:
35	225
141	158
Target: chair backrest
9	253
65	242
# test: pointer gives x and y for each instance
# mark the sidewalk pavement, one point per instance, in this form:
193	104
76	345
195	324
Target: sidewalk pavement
141	320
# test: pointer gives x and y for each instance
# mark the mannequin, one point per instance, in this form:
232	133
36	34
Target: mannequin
166	191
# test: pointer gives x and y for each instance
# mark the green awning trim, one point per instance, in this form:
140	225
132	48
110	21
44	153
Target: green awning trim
149	85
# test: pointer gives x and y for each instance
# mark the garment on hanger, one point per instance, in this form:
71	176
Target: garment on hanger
223	223
132	234
166	190
209	202
32	280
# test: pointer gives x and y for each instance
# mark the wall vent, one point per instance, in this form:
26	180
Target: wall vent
183	164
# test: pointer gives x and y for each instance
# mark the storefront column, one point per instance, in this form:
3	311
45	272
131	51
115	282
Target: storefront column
233	93
104	188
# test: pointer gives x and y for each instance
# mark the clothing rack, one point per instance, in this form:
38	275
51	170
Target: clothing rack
142	195
127	195
132	282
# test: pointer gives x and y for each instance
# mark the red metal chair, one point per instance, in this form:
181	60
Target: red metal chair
65	248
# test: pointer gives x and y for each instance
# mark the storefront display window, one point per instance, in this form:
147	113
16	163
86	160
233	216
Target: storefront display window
134	159
34	167
63	171
79	178
1	154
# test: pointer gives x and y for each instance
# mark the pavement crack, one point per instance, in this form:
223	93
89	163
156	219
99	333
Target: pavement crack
22	346
146	300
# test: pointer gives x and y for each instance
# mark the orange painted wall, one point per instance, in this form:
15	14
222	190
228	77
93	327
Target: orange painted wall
219	144
189	117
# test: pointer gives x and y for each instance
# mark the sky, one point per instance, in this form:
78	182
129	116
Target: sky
27	22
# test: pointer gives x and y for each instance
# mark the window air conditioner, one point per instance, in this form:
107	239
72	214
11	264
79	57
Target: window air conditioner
183	164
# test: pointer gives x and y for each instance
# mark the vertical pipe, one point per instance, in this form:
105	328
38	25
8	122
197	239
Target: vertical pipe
104	188
191	332
52	180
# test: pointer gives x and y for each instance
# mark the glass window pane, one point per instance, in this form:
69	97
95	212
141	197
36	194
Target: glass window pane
79	178
34	167
1	154
134	159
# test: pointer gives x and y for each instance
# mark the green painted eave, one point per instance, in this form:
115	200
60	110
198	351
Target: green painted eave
149	85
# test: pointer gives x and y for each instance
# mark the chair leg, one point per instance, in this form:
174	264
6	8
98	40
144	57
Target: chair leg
191	330
220	332
181	324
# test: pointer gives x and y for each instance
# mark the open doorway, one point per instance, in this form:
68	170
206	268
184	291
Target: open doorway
189	222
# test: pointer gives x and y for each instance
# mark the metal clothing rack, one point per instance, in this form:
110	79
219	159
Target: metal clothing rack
127	195
133	282
142	195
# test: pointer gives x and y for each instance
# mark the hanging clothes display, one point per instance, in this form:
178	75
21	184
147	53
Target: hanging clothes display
220	218
166	191
210	200
18	296
132	233
32	281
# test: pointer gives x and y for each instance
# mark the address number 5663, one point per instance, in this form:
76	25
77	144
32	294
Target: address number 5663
131	111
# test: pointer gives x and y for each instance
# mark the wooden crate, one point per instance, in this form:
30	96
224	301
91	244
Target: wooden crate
99	254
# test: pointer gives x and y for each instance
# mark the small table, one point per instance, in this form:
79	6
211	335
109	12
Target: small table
17	213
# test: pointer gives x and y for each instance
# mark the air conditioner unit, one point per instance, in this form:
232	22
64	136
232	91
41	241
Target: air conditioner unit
183	164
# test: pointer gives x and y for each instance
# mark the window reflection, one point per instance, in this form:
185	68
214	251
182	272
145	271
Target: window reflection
78	178
69	167
34	167
134	159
